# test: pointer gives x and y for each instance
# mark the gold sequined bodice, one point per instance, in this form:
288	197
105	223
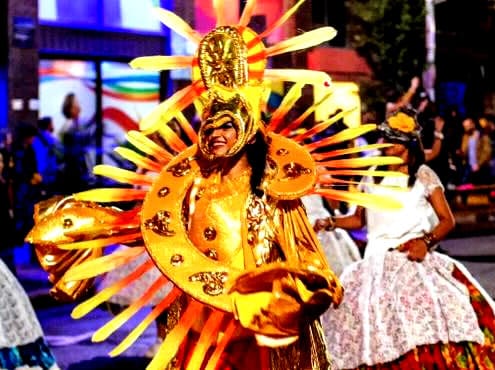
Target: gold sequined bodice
217	214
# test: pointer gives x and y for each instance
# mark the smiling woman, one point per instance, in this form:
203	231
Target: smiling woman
222	139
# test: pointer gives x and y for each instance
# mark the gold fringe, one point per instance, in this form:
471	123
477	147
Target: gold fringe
176	336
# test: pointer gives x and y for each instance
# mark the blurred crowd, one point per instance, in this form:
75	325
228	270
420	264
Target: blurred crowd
36	164
466	154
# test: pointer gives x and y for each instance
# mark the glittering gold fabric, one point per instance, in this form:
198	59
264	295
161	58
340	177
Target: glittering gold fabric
275	233
215	223
308	353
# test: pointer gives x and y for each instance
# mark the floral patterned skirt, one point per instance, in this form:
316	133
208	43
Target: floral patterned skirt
454	356
399	314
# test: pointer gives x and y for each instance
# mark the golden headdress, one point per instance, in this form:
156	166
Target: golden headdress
229	77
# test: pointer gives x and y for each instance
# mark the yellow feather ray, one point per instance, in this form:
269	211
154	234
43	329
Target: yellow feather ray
287	103
109	328
344	135
281	20
176	336
370	172
89	305
99	243
208	337
121	175
177	24
219	6
148	146
227	335
141	327
103	264
138	160
187	127
247	13
167	109
316	78
346	151
325	181
299	120
321	126
161	62
304	41
110	195
172	138
362	199
361	162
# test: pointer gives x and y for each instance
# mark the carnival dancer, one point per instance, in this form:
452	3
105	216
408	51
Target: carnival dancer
223	219
407	306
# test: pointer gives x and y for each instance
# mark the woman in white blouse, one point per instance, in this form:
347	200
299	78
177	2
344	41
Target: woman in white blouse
406	306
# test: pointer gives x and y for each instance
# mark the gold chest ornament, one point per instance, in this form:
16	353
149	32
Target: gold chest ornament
187	257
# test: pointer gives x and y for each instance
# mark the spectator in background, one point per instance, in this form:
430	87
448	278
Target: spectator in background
26	180
49	156
396	102
475	152
76	140
6	218
490	122
487	123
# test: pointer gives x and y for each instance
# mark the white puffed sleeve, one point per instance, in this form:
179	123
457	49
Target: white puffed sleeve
429	179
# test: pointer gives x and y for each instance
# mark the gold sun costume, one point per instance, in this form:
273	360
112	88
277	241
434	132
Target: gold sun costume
250	279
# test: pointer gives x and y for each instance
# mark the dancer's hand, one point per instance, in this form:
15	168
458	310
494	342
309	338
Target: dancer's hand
320	224
327	224
416	249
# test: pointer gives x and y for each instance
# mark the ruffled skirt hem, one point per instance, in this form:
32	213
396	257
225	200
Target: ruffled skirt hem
35	356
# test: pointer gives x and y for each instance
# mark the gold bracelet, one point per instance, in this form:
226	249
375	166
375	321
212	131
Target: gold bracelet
330	224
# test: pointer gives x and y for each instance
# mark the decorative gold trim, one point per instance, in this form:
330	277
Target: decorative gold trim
291	171
175	255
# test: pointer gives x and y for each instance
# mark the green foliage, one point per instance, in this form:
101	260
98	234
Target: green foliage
390	35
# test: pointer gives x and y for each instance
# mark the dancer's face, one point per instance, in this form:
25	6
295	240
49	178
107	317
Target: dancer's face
221	139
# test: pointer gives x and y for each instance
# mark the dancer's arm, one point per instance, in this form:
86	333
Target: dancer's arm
350	222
